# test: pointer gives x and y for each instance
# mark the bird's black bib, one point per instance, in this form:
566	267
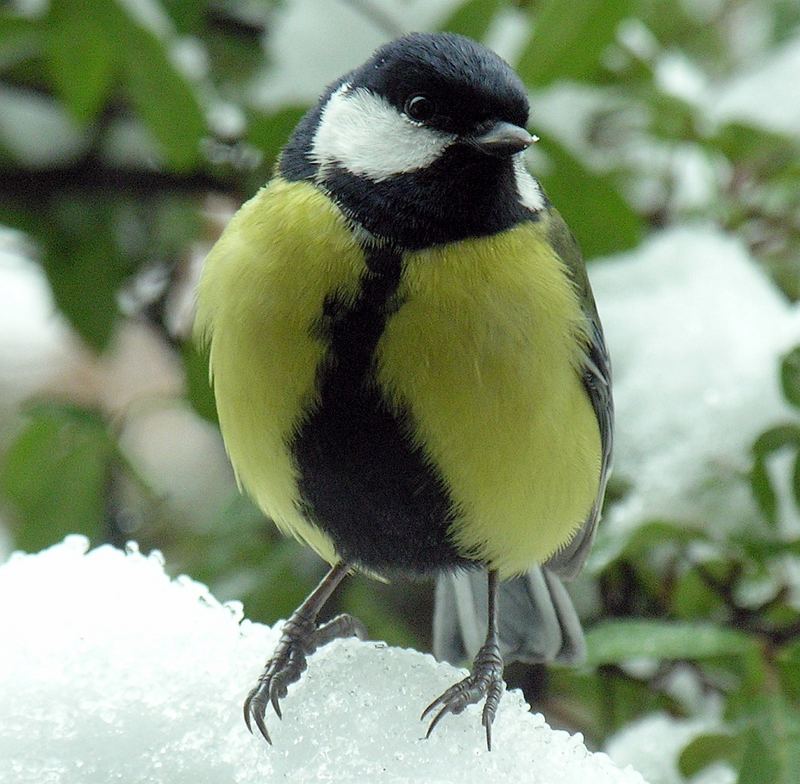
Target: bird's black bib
361	479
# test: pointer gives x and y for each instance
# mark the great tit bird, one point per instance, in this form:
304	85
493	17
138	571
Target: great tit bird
409	368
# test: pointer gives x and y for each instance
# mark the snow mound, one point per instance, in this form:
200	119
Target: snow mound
696	332
654	744
765	95
110	671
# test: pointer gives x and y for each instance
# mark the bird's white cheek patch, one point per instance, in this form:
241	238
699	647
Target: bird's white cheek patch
369	137
530	194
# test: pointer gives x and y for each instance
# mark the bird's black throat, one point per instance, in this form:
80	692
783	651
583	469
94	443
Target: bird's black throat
463	194
361	478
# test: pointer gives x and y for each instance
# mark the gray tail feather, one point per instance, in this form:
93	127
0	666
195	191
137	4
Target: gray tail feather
536	617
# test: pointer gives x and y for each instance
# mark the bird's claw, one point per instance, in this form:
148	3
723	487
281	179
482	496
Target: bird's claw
485	680
300	637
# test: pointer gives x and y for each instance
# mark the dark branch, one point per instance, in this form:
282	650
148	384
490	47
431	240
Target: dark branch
90	175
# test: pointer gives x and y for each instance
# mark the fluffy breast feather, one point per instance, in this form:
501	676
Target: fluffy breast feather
262	290
485	353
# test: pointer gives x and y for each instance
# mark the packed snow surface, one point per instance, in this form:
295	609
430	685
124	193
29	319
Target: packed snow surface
654	744
110	671
696	331
764	95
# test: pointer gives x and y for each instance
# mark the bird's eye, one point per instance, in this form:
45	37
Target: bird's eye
420	108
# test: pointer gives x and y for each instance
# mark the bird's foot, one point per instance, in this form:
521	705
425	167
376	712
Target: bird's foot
485	680
300	637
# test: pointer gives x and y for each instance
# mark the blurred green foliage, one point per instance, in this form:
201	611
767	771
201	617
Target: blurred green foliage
55	475
108	153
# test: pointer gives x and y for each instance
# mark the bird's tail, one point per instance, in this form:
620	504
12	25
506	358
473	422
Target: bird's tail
537	619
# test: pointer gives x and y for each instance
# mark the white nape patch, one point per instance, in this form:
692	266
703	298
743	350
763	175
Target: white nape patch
369	137
530	193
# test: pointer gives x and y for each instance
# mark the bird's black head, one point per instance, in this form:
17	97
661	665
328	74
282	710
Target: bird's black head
422	144
446	82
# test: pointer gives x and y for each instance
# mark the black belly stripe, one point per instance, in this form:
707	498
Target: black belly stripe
361	479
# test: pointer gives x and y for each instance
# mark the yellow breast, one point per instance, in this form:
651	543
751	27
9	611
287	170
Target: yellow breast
485	353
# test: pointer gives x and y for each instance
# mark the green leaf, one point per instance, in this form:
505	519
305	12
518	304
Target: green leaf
643	539
759	762
603	701
780	733
162	97
763	492
472	18
764	748
741	142
243	557
20	39
692	598
269	132
776	438
790	376
569	39
707	749
614	642
188	15
796	479
670	117
773	440
85	267
600	218
278	589
81	55
758	548
364	599
54	476
787	661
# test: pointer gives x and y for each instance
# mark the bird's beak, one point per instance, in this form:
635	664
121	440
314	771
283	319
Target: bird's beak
502	140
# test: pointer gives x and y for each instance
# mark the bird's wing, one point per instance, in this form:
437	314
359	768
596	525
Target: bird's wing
536	617
596	371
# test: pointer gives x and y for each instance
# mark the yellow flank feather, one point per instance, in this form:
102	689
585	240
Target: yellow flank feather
263	286
485	353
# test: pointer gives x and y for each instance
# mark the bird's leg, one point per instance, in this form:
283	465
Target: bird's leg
300	637
484	680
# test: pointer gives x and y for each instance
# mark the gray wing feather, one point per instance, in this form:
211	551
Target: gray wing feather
536	618
568	561
596	375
